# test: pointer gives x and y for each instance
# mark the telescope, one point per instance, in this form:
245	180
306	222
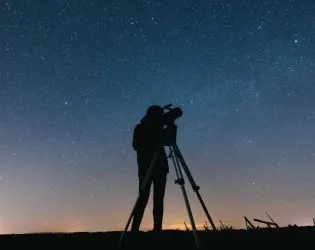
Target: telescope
168	121
171	114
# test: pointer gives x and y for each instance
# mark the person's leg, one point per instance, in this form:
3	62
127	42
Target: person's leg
142	202
159	183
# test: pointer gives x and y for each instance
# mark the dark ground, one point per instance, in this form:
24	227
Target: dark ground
264	238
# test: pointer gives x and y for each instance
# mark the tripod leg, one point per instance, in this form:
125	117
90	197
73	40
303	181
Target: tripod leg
143	186
193	184
180	180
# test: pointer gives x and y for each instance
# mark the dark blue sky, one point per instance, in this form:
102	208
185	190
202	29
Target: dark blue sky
77	76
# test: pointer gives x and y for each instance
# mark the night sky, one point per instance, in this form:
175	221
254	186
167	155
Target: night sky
77	76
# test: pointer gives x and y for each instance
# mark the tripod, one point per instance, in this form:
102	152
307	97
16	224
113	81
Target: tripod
179	164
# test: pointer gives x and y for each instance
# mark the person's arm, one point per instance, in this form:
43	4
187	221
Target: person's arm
147	137
137	138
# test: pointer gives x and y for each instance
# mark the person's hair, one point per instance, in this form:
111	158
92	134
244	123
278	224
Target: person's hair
154	110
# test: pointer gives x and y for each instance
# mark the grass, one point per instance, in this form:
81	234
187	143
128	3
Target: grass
267	238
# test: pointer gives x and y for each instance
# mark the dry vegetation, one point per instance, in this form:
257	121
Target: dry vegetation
268	238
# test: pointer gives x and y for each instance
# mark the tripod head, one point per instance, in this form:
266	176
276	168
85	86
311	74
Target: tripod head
170	134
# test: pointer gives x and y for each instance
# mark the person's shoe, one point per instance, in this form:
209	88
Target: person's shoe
157	230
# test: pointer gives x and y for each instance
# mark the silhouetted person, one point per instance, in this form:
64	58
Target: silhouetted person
147	136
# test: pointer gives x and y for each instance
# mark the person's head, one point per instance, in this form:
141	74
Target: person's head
154	112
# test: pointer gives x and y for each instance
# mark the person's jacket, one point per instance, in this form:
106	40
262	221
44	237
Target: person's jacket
148	134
